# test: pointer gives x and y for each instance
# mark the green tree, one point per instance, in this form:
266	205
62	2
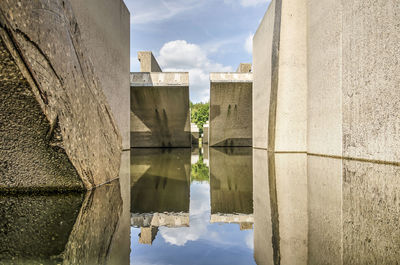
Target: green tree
199	114
200	171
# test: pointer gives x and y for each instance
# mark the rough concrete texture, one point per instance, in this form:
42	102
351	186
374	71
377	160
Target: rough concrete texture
280	78
160	180
195	132
105	30
370	86
324	135
353	78
69	98
231	183
147	62
230	109
160	114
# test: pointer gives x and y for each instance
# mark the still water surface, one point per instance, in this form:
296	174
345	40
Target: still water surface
213	206
186	212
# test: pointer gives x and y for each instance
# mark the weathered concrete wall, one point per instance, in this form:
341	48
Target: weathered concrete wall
353	82
348	62
230	109
105	30
160	114
280	78
231	183
324	77
68	130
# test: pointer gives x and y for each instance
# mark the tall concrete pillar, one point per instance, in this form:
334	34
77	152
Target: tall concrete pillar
280	78
160	114
325	79
231	108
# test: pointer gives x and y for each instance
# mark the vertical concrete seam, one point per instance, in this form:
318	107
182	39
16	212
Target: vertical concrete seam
273	197
274	76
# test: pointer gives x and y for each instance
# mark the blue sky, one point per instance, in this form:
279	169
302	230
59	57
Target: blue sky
198	36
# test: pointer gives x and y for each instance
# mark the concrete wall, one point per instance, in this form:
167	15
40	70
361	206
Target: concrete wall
160	114
58	127
230	109
105	30
325	79
280	79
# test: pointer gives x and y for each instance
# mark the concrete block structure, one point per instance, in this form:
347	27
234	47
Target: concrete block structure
325	79
160	114
194	130
231	108
205	133
280	78
105	30
58	131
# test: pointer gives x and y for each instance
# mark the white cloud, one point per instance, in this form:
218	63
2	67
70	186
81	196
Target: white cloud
179	55
248	45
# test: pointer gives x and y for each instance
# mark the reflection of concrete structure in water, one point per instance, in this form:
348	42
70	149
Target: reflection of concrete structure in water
231	108
320	210
205	133
231	185
195	134
48	228
206	154
160	114
195	156
160	190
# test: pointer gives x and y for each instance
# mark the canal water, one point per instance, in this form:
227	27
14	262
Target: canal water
213	206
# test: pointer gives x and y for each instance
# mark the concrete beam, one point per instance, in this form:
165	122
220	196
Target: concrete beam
148	63
167	79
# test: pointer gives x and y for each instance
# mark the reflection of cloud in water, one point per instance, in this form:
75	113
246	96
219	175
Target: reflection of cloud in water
250	240
199	217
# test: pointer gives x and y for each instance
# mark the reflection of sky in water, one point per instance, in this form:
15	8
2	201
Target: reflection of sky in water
201	243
